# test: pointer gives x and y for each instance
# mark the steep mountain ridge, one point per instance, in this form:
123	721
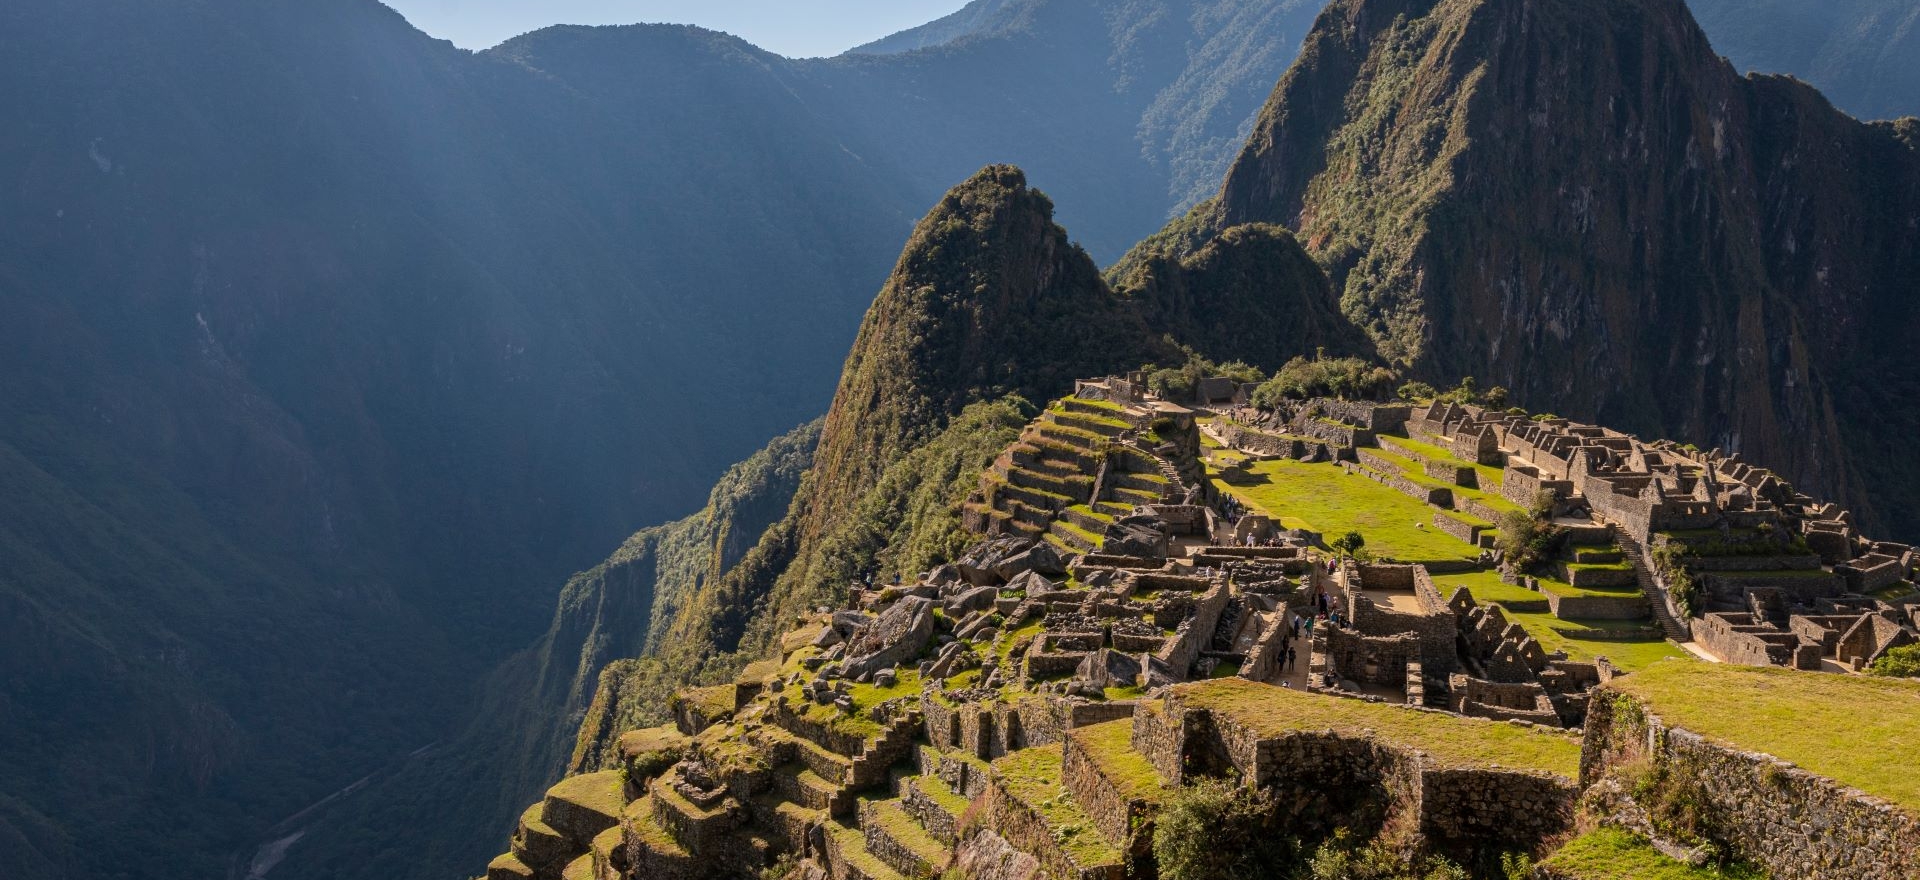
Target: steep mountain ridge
1673	219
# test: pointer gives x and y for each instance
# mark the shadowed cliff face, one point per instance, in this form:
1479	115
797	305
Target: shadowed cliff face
1584	203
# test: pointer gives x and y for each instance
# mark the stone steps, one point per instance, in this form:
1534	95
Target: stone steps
810	790
895	837
934	805
1635	555
847	856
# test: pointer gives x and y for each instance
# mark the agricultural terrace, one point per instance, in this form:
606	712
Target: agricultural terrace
1450	739
1857	730
1321	497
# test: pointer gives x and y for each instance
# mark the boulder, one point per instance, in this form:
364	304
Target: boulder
1031	584
897	636
943	575
1041	558
976	599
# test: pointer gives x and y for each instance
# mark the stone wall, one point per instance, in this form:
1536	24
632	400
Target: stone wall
1521	483
1623	607
1113	814
1788	821
1196	631
1455	806
1457	527
1439	496
1029	832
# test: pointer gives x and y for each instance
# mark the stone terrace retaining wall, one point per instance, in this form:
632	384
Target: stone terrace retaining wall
1439	496
1788	821
1467	806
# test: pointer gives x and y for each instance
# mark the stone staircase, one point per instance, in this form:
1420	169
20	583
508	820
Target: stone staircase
1663	612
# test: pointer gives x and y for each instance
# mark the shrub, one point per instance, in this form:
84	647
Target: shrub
1216	830
1528	538
1901	662
1415	391
1381	859
1348	378
1495	398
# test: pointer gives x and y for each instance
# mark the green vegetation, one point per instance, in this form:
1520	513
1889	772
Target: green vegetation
1110	745
1901	662
1528	538
1486	587
1321	376
1033	776
1612	854
1812	719
1216	830
1383	858
1627	655
1449	739
1324	498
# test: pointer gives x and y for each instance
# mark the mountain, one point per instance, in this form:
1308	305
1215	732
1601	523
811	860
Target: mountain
1864	55
1586	204
330	348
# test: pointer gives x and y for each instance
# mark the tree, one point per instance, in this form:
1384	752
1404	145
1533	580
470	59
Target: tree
1416	391
1349	544
1216	830
1902	662
1495	398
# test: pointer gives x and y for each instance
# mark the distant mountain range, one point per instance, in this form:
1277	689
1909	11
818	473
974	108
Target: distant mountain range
327	349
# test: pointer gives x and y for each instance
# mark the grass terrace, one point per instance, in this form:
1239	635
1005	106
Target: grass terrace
1111	746
1486	587
1490	476
1612	854
1852	729
1449	739
1033	776
1629	656
1322	497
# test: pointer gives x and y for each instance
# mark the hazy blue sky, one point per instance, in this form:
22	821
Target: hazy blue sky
796	28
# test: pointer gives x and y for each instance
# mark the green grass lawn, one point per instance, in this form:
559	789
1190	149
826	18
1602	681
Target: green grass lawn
1857	730
1485	586
1449	739
1322	497
1612	854
1629	656
1559	587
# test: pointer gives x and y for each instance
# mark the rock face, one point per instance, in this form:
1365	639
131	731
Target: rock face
897	635
1584	203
